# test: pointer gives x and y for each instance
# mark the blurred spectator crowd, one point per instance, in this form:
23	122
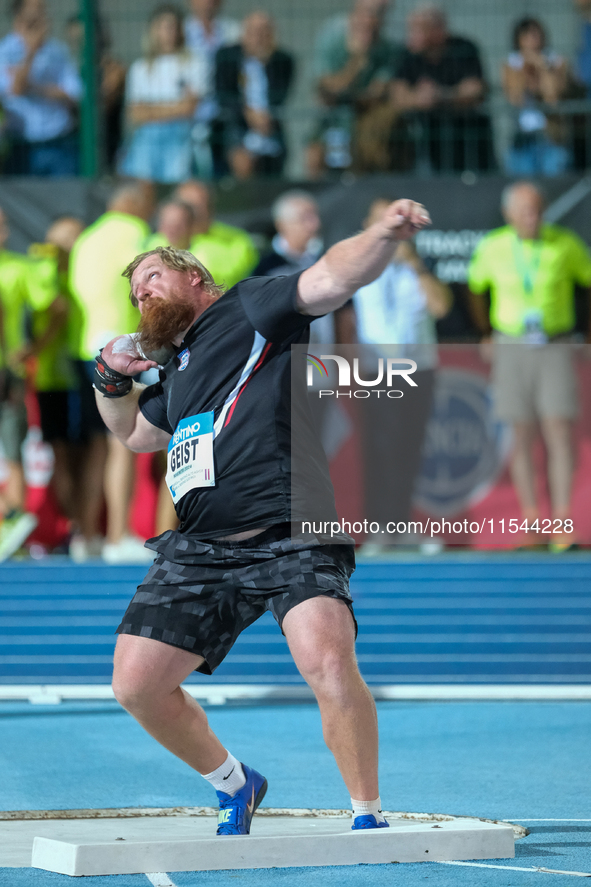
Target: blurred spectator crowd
207	100
58	306
208	96
67	298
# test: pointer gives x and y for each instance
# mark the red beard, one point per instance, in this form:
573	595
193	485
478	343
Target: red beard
162	321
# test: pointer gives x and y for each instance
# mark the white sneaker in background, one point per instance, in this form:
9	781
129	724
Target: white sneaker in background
432	546
375	550
381	545
377	545
128	550
82	550
429	545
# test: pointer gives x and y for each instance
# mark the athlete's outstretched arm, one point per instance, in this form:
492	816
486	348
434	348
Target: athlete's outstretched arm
122	415
355	262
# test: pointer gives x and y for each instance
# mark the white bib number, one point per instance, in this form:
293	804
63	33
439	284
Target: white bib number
190	456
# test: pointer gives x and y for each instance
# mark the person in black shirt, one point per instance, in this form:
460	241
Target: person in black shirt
222	407
296	246
439	84
252	82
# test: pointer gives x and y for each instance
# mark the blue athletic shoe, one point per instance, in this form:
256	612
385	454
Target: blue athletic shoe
236	811
368	821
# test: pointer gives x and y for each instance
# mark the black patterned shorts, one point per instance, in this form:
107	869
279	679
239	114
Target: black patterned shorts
201	594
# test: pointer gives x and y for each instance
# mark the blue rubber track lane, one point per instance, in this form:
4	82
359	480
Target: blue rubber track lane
517	761
455	619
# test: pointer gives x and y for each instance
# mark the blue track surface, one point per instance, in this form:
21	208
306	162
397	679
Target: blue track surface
454	619
517	761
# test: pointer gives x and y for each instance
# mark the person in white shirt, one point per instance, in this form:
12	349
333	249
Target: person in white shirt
395	317
39	91
295	247
162	92
205	32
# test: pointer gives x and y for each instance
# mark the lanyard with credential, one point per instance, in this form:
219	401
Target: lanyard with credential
527	270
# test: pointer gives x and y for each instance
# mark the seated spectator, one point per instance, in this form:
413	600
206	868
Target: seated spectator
580	89
252	80
228	252
163	90
439	85
40	90
333	32
583	62
206	31
534	76
111	86
354	65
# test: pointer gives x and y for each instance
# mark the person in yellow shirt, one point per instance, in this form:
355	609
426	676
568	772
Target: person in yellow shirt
15	310
174	225
53	378
228	252
530	269
97	261
55	345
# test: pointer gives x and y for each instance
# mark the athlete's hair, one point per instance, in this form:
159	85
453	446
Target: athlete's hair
178	260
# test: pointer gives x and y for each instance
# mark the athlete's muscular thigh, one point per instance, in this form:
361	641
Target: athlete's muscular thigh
143	665
321	636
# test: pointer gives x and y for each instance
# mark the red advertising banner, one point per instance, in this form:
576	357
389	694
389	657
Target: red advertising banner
464	493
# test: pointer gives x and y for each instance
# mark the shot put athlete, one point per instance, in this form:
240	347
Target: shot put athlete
222	407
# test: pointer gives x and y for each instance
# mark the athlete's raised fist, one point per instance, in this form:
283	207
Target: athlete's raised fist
404	218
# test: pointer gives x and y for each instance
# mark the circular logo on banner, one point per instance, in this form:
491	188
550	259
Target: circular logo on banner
465	447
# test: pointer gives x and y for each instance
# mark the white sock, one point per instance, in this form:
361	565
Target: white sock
365	808
229	778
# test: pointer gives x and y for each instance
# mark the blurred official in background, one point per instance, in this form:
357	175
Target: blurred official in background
395	317
15	305
295	247
174	225
98	259
530	270
54	335
228	252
